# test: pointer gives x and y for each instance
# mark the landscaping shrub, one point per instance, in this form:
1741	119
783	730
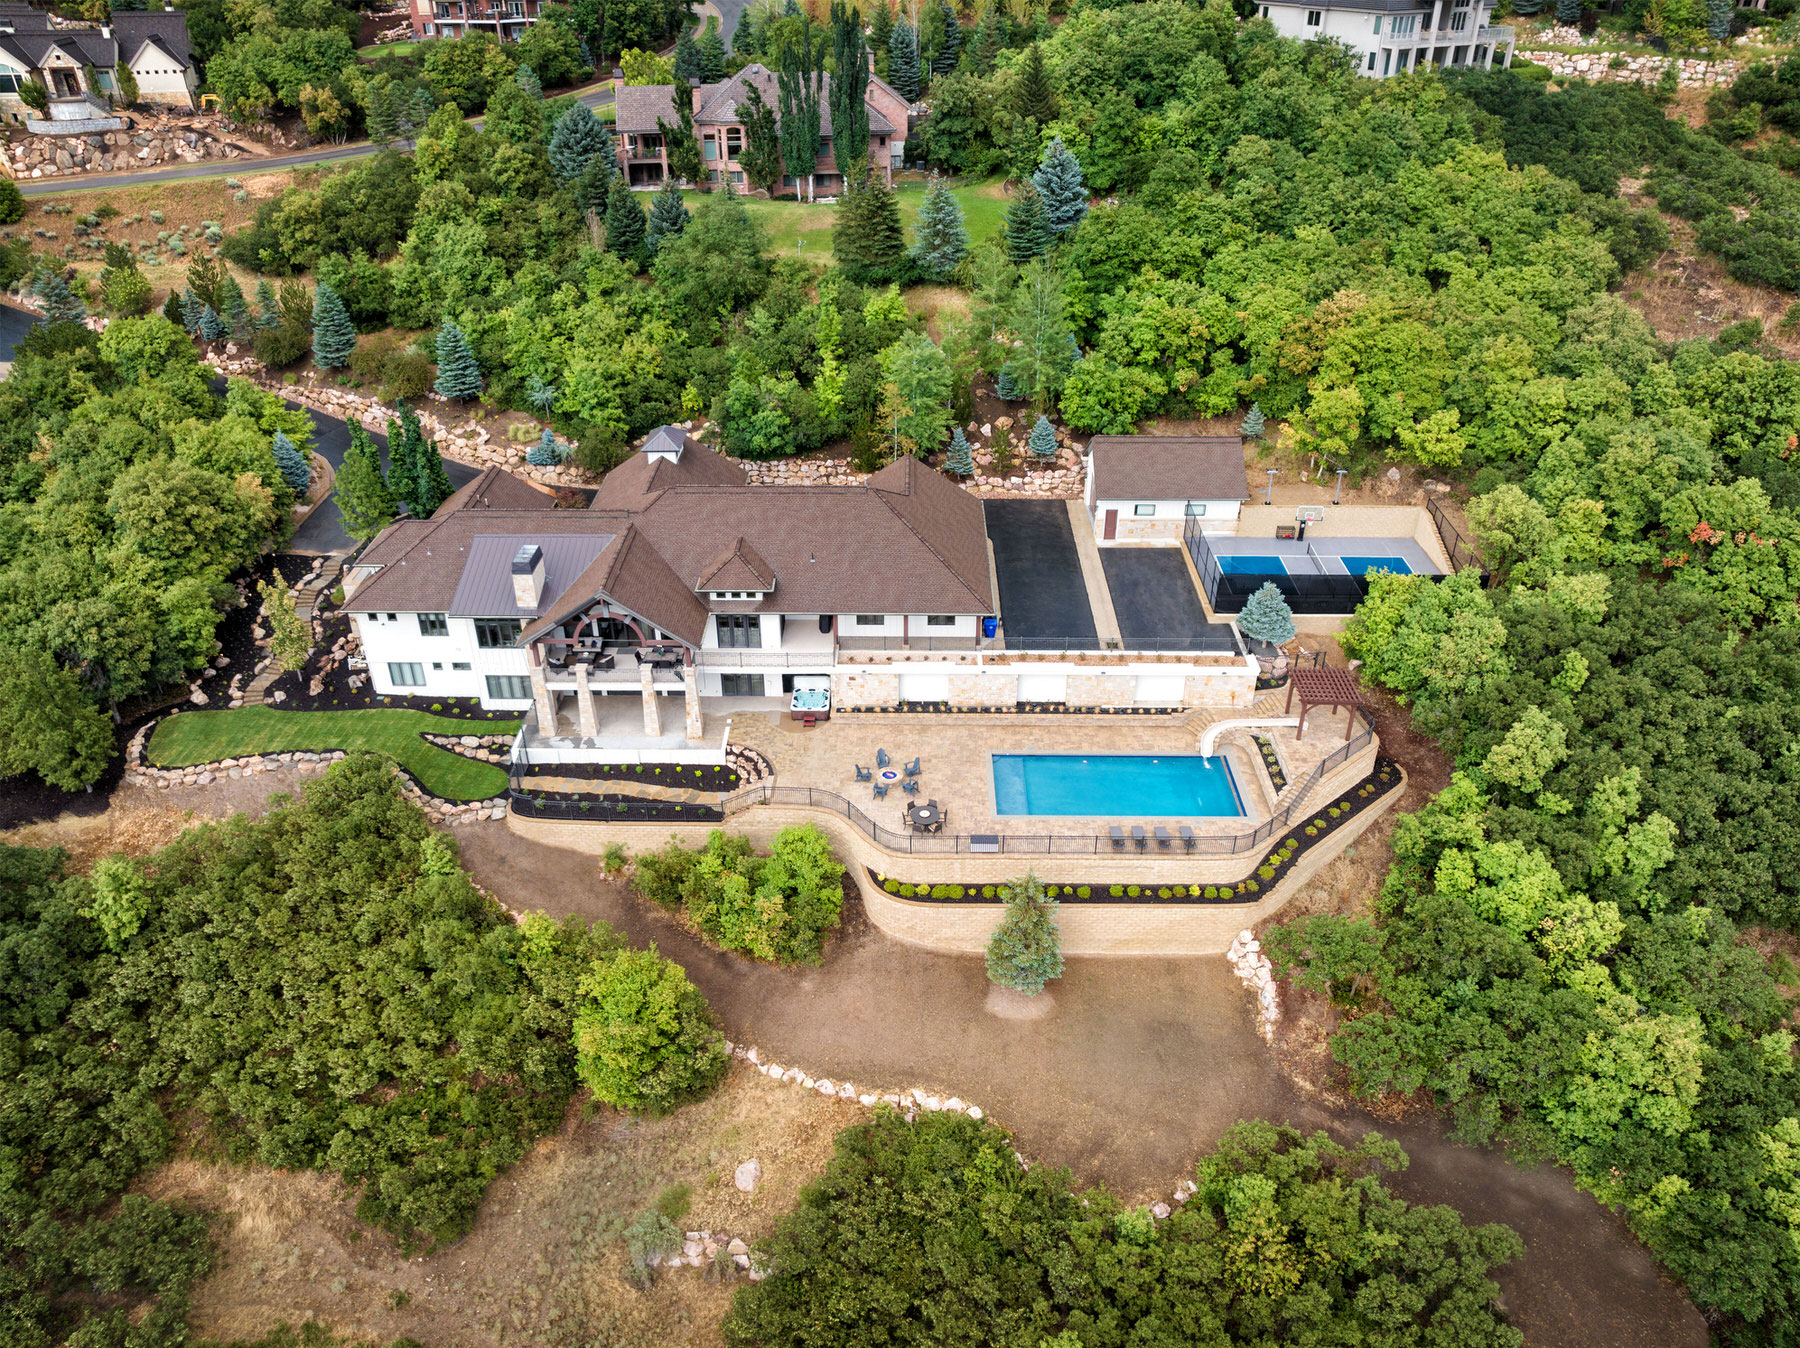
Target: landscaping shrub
776	907
644	1037
1266	872
1082	892
282	345
1025	951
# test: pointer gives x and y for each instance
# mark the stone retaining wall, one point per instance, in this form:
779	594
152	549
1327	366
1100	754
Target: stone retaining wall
1691	74
188	140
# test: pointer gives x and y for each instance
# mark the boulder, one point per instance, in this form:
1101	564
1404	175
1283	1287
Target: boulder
748	1176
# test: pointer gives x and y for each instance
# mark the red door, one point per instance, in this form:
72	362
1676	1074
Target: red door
1112	525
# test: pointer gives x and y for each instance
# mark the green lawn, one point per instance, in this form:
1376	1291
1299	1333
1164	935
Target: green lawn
205	736
791	222
394	48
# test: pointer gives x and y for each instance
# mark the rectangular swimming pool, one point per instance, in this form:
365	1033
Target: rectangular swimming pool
1121	785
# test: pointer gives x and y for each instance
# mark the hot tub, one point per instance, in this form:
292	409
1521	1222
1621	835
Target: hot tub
812	697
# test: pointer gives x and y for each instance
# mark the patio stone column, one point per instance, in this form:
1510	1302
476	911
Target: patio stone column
545	702
652	718
696	720
586	720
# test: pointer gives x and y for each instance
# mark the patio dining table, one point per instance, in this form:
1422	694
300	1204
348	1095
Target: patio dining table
925	818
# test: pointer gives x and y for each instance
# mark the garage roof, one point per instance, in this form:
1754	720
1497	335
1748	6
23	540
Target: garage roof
1168	468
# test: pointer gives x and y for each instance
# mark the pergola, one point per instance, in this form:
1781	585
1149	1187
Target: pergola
1324	688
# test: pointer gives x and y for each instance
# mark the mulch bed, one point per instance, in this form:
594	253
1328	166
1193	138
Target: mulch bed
701	778
336	694
1282	852
610	808
1271	763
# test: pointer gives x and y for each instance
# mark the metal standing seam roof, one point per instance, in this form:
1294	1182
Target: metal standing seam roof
1168	468
485	589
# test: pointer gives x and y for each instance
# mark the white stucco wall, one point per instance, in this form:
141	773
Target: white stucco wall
401	641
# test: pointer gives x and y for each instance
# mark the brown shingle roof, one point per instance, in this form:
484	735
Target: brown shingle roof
1167	468
422	561
637	106
718	102
494	489
635	483
740	568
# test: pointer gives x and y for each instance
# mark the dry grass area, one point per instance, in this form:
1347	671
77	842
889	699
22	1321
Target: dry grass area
545	1264
938	305
136	829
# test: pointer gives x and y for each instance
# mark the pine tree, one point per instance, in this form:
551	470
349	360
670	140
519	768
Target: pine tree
987	42
669	215
868	239
1027	231
960	458
172	310
1042	441
881	30
687	58
800	85
540	395
437	480
1718	19
945	60
384	117
234	308
680	145
404	478
423	105
849	89
744	37
1025	951
1253	422
712	56
760	157
1032	94
60	304
1059	184
1267	617
548	451
334	335
459	377
527	80
940	238
212	327
576	141
625	225
1568	11
903	61
193	308
295	470
360	490
1006	388
268	310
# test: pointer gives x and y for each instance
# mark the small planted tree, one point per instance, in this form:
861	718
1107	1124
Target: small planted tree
940	237
1253	422
960	458
459	377
212	327
1025	951
361	491
669	215
1006	388
625	225
268	308
1058	181
295	470
334	335
290	635
234	309
1267	617
1042	441
548	451
1028	233
60	304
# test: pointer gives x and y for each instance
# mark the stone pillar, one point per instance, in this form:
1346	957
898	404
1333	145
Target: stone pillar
652	718
696	719
585	718
544	700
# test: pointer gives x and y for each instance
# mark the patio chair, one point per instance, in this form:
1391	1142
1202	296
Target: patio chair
910	786
881	790
881	758
1163	840
1137	837
1118	838
1187	837
912	768
863	774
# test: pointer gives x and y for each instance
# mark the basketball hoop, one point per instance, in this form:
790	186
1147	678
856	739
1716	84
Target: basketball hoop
1309	514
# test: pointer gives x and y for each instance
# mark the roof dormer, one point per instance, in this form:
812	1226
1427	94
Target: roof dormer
665	443
739	573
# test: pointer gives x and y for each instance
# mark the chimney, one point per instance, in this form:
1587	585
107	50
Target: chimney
528	576
106	31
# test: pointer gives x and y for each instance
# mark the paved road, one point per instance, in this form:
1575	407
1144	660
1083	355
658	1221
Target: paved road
14	324
1042	594
323	530
221	168
1153	595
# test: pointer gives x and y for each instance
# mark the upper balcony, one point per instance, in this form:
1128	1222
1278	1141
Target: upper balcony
1499	34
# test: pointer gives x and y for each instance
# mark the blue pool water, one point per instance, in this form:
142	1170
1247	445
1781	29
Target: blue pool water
1242	565
1361	566
1119	785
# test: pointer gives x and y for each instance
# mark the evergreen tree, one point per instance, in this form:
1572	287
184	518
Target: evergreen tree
404	478
1027	231
576	141
268	311
687	58
760	157
423	105
987	42
1032	95
940	238
682	147
334	335
60	304
744	37
903	61
1718	19
548	451
1568	11
849	89
960	458
527	80
193	309
1005	387
881	30
437	480
868	239
459	377
384	117
1025	951
712	56
625	225
295	470
360	490
668	216
1267	617
1059	185
540	395
172	310
945	60
1253	422
212	327
234	308
799	85
1042	441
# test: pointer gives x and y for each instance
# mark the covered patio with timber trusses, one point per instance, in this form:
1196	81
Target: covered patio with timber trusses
593	655
1324	688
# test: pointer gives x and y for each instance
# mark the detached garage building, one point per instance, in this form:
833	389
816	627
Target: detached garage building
1145	488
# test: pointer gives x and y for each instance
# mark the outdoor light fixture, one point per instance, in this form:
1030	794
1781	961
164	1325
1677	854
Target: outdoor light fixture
1269	498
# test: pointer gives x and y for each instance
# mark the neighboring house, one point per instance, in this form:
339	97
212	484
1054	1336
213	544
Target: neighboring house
1145	488
1390	37
644	159
77	64
504	19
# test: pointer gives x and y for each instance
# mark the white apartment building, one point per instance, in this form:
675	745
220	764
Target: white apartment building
1391	37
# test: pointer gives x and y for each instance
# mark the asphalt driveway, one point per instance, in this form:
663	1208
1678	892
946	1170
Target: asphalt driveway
323	530
1042	595
1154	597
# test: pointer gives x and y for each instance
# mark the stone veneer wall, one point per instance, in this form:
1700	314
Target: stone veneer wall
878	685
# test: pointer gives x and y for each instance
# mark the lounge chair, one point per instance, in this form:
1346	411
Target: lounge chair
912	768
1162	839
881	758
1138	838
1187	837
863	774
881	790
1118	838
910	787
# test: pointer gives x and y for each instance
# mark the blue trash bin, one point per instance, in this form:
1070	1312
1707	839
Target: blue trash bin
990	627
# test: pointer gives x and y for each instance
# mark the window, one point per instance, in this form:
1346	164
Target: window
496	633
406	675
941	620
1387	60
1459	20
712	147
740	685
1196	509
459	664
740	629
1403	25
438	665
1371	60
1378	25
509	687
434	625
1265	11
393	617
1147	508
871	620
1314	17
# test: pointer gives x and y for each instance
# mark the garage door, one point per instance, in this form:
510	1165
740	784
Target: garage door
924	687
1163	689
1043	687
